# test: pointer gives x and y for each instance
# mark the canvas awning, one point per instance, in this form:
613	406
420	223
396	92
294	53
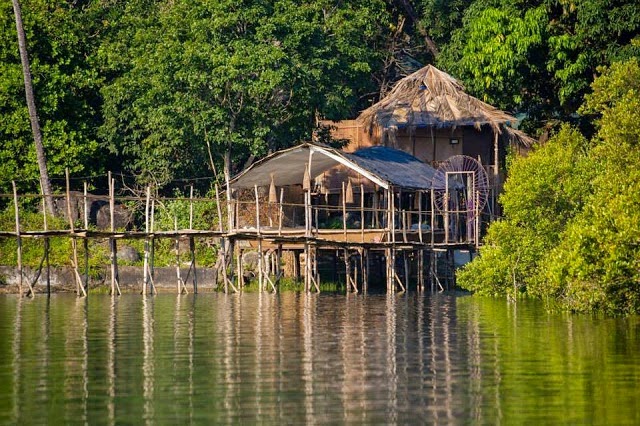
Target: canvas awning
381	165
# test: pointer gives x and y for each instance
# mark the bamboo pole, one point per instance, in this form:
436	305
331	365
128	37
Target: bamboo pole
46	247
279	264
85	240
145	267
280	212
433	217
223	242
420	216
153	241
260	260
361	213
80	291
219	209
421	270
365	271
406	267
191	208
18	237
115	285
192	250
182	288
446	208
404	226
240	267
344	212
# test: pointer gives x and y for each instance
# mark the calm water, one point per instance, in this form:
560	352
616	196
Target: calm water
293	358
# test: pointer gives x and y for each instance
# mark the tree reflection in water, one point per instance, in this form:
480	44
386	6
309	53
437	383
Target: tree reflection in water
297	358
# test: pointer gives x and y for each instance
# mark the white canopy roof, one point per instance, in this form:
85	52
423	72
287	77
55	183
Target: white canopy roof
381	165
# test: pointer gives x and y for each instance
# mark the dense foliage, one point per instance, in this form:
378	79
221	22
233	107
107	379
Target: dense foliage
571	232
165	90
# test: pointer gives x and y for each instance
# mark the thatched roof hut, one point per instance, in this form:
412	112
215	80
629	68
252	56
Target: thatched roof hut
432	98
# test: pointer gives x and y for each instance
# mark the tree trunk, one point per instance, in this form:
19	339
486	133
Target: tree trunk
45	184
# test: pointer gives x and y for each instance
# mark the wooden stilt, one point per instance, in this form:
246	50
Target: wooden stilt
361	213
192	247
307	277
312	268
115	284
46	246
420	216
421	270
182	288
240	266
344	214
80	291
145	266
18	237
366	270
433	217
280	211
278	264
85	240
405	261
152	252
347	270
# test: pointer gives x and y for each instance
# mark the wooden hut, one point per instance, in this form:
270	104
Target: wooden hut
313	198
428	115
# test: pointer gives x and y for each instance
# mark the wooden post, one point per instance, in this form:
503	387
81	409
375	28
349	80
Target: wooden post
240	266
344	212
406	268
366	270
420	216
85	241
191	208
18	238
361	213
182	288
80	291
46	246
192	250
278	264
153	241
421	269
280	212
260	260
307	280
433	218
404	226
115	285
347	269
220	229
446	208
145	267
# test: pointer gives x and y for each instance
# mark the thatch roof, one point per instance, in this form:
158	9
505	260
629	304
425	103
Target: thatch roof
432	98
381	165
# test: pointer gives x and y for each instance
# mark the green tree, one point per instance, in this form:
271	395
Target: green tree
246	77
543	192
572	229
597	264
65	90
539	57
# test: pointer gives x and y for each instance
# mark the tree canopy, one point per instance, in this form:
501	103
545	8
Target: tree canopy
572	208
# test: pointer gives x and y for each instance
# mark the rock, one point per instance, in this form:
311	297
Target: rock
250	260
121	217
128	254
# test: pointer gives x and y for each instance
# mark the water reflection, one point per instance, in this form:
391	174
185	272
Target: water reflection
298	358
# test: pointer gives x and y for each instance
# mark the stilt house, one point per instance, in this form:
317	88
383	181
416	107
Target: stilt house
377	201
